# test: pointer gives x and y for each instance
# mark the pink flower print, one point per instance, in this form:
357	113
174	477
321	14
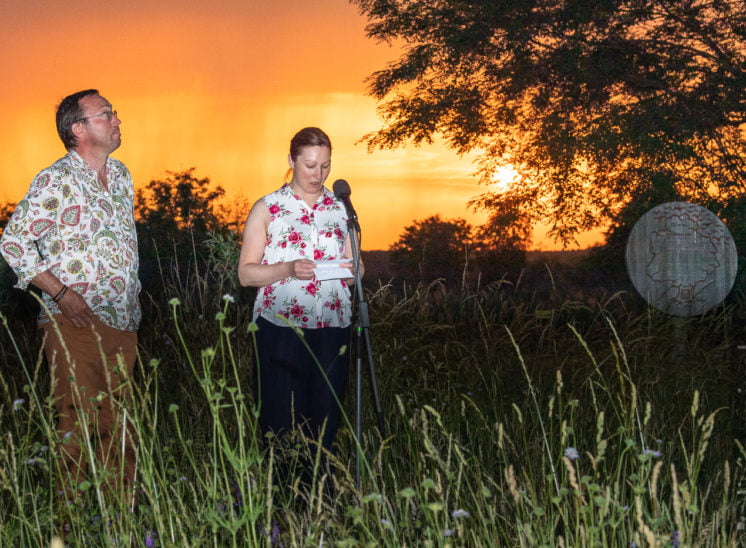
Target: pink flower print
305	219
312	289
296	311
318	254
274	209
328	200
283	244
294	237
328	233
338	232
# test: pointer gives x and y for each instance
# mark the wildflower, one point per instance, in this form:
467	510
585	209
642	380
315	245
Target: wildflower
275	534
448	533
456	514
387	524
652	453
572	453
676	539
17	404
150	539
174	302
31	462
229	298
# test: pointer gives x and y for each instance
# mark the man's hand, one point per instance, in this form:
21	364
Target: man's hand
75	309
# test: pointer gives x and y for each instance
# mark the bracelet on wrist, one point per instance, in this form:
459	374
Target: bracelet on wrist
61	293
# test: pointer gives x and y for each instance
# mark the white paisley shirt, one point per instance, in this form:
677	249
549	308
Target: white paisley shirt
299	231
69	223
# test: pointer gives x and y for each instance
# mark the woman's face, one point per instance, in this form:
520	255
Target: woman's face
310	169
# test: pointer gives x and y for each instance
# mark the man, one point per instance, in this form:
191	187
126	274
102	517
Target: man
73	236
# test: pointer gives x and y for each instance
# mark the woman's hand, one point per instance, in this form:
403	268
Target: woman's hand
302	269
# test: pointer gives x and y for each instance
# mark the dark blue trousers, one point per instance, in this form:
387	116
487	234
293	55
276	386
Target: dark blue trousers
293	390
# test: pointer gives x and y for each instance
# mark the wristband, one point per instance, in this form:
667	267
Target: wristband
61	293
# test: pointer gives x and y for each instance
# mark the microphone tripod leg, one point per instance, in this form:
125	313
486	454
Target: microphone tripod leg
358	407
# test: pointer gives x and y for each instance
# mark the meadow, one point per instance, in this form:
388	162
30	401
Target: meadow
524	412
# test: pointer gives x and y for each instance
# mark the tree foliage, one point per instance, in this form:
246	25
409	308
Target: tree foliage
453	250
432	248
184	226
181	201
589	100
6	210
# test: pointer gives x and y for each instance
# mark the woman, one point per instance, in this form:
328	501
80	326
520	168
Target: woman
299	382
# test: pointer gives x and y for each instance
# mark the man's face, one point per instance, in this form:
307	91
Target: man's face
99	126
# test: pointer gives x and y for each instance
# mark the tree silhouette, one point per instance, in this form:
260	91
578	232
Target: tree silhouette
181	203
452	250
587	100
432	248
6	210
175	213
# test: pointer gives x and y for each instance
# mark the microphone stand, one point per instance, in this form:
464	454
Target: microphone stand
362	330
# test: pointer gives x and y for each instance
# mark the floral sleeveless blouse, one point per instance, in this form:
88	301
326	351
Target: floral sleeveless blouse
298	231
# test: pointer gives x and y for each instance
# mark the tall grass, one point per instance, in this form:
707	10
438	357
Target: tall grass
513	419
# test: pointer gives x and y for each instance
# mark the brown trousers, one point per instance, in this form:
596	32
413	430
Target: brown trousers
91	371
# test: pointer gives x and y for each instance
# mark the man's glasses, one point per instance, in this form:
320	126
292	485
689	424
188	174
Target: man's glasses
109	114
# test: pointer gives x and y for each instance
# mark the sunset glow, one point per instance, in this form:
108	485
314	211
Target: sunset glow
220	87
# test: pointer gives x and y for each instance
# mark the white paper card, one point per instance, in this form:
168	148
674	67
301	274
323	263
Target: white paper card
330	270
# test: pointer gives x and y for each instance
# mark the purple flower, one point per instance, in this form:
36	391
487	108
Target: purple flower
150	539
275	535
456	514
17	404
448	533
572	453
652	453
676	539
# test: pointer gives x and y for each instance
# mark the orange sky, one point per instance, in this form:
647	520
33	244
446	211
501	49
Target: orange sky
220	86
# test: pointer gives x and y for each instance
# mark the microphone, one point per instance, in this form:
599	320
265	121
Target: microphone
342	191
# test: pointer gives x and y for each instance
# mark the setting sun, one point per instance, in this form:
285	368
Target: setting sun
504	178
